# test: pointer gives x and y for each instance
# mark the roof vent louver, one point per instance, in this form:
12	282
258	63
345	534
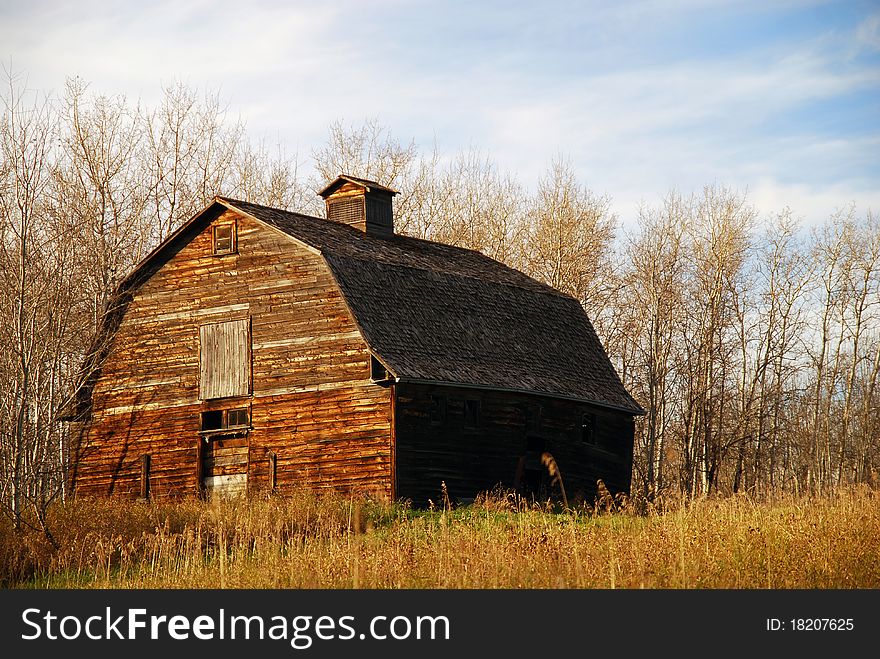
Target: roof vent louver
363	204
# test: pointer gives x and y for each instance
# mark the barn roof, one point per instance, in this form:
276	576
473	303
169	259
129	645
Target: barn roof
437	313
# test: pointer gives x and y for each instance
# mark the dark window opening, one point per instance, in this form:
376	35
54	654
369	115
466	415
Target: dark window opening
438	410
212	420
535	445
533	418
471	414
378	372
223	419
588	428
224	239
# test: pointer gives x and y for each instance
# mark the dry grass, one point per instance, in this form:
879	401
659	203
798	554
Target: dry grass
498	542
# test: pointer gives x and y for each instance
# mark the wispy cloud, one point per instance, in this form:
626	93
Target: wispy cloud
868	32
641	95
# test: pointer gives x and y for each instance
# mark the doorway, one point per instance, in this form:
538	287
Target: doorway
224	466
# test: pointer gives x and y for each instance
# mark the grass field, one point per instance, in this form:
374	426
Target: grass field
309	542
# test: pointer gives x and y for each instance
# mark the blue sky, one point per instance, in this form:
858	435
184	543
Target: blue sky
781	98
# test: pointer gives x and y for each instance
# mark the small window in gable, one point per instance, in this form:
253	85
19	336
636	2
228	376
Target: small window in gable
225	239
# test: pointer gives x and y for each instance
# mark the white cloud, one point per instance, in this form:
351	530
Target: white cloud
813	204
127	46
868	32
632	130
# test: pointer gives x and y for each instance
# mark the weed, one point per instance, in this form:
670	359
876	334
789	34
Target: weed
500	541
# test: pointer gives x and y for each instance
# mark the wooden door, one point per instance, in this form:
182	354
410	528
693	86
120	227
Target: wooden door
224	467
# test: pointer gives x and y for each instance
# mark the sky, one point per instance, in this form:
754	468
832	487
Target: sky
779	99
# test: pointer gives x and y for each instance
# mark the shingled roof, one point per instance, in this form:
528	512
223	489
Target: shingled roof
437	313
342	179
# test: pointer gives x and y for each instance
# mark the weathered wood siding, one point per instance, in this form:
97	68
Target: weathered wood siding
512	430
314	412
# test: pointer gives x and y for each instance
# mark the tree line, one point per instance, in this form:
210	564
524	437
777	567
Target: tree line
752	343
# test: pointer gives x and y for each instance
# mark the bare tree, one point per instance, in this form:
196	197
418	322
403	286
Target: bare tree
479	208
369	151
654	280
570	235
862	245
272	180
719	243
100	193
189	153
31	316
772	322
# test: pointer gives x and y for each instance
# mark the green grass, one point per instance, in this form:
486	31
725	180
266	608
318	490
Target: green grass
309	542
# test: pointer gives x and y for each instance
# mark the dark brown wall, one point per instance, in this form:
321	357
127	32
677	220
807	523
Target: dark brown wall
471	460
312	404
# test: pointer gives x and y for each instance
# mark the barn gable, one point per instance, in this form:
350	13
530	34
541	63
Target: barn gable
287	360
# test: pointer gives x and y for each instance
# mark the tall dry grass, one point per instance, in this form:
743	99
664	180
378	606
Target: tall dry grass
498	542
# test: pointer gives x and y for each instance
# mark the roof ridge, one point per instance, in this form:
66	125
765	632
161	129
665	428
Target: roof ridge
536	285
388	238
235	202
545	289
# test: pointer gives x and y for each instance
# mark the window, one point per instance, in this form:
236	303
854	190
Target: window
225	419
212	420
378	372
438	410
224	359
588	428
471	414
224	239
533	418
237	418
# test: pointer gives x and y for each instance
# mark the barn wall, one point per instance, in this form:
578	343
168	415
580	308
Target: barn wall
312	404
512	430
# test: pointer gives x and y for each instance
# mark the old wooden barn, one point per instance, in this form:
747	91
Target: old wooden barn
258	349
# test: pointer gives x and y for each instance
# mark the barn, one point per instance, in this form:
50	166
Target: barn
262	350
